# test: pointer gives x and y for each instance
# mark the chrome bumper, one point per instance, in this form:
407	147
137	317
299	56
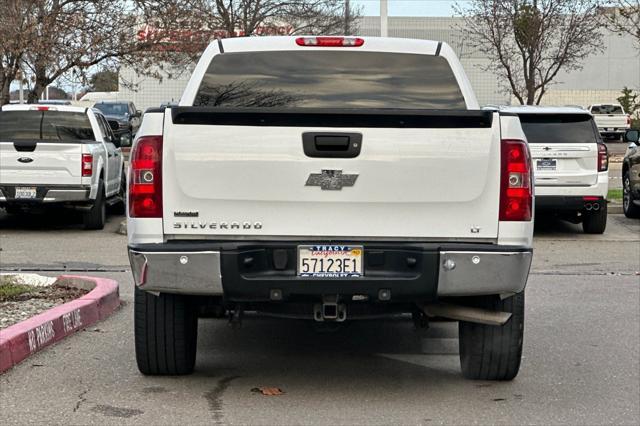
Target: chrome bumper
48	195
462	273
466	273
195	273
65	195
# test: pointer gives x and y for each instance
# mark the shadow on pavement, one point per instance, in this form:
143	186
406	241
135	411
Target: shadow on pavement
50	218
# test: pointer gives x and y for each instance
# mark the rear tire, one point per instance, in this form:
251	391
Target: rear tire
491	352
97	216
120	207
630	209
595	222
166	334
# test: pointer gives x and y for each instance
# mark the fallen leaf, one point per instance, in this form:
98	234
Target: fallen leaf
268	391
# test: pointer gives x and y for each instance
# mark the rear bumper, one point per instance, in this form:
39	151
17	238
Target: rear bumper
599	189
612	130
47	194
408	271
569	203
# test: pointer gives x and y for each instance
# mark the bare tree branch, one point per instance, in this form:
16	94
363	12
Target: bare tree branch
529	42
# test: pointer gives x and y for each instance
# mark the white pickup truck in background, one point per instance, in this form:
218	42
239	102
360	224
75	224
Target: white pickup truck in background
330	179
611	119
59	156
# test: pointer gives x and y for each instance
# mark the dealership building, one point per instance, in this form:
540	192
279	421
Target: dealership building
600	81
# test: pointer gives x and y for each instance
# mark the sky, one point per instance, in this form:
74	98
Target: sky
408	7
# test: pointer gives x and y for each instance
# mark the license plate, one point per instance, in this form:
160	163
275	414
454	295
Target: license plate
25	193
330	261
546	165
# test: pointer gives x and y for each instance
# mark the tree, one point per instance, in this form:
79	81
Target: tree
529	42
629	101
280	17
66	37
15	35
623	17
105	80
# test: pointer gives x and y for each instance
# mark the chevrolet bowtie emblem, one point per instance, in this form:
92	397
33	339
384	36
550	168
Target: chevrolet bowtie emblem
331	180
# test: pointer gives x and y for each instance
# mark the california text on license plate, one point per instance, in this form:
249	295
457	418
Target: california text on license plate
330	261
25	192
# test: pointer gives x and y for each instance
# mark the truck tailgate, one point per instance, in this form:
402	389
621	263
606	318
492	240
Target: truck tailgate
611	120
40	163
430	177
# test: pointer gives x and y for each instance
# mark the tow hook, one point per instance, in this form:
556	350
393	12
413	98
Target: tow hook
330	310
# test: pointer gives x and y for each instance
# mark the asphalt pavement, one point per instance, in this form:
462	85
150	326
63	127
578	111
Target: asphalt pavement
581	360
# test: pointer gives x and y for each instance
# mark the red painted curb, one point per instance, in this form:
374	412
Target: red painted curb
32	335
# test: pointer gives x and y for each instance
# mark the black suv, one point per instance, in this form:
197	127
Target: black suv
123	118
631	175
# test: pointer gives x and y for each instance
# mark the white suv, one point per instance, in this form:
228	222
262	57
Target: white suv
570	163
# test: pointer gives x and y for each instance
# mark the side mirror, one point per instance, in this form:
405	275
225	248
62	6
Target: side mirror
138	113
632	135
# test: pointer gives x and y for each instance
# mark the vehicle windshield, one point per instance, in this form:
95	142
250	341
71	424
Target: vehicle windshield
113	109
606	109
329	79
48	125
558	128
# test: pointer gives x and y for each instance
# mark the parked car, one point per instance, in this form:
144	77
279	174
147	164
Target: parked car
59	155
330	179
571	164
631	175
611	119
123	118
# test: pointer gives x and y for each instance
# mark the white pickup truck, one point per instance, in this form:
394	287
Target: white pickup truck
59	156
330	179
611	119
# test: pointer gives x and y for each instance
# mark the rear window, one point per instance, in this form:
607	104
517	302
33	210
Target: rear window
606	109
560	128
329	79
45	125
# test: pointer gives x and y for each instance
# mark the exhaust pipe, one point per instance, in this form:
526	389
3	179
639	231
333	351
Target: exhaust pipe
588	206
466	313
595	207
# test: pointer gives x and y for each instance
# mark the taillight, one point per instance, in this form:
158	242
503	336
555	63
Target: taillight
628	120
516	192
330	41
87	165
603	158
145	178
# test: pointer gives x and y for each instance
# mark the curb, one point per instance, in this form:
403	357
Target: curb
614	208
27	337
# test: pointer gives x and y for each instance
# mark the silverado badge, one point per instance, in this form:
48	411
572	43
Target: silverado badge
331	180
